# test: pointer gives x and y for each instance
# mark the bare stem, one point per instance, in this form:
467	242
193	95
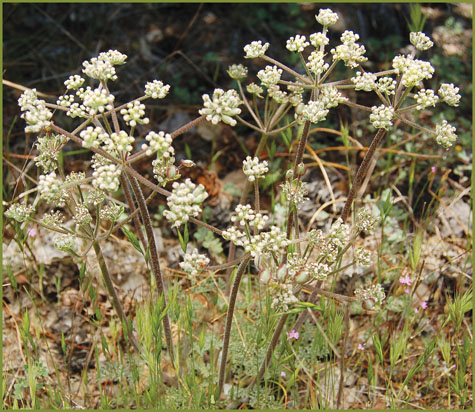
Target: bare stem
229	321
360	174
342	357
130	202
113	294
154	260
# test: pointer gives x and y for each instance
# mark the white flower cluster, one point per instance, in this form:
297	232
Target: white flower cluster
111	212
222	107
277	95
294	191
362	256
53	219
118	142
339	233
445	134
245	215
160	142
102	66
194	263
282	296
36	114
349	51
66	243
263	243
365	221
95	100
449	94
318	271
237	71
316	62
297	43
74	82
50	189
19	212
95	197
254	88
381	116
254	169
81	215
426	98
330	96
134	114
93	136
184	202
163	166
420	40
114	57
106	174
156	89
270	75
386	85
48	147
326	17
65	101
413	70
319	39
371	296
364	81
74	178
255	49
314	111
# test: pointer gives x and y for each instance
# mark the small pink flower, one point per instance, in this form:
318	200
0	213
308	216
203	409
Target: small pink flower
360	346
32	232
424	304
406	280
416	310
293	334
283	374
407	291
433	169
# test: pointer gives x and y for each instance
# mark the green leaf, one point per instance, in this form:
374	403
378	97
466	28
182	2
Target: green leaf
379	348
132	239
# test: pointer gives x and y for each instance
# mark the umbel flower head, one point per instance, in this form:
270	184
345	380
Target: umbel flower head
222	107
194	263
184	202
36	114
255	49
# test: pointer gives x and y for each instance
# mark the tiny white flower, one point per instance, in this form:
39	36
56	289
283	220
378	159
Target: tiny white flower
254	169
326	17
381	116
156	89
420	40
297	43
426	98
445	134
255	49
449	94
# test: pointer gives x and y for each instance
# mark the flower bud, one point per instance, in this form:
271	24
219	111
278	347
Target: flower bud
300	169
299	108
282	271
171	172
187	163
302	277
264	276
290	174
